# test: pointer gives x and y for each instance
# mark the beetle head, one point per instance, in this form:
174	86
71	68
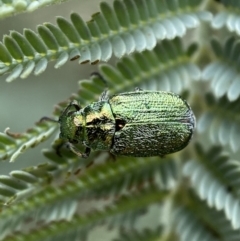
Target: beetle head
70	126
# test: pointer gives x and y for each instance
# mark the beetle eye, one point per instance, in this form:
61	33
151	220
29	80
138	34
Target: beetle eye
120	124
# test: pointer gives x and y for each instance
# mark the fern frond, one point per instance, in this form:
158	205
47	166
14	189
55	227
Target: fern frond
144	235
195	220
189	227
99	182
221	227
14	144
224	71
112	31
228	16
12	7
167	67
130	207
216	179
21	184
221	121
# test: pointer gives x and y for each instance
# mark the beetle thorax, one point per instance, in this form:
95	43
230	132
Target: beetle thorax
99	125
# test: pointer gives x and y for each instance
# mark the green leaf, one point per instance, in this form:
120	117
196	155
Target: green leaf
48	38
122	13
58	34
15	73
28	68
133	13
69	31
143	10
81	27
35	41
5	56
40	66
13	48
25	46
110	17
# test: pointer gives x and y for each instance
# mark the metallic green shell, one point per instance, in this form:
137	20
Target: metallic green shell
150	123
139	123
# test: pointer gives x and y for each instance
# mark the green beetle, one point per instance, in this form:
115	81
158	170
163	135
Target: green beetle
140	123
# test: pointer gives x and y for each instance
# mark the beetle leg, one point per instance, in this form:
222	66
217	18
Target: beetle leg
112	156
58	149
87	152
100	77
75	104
104	95
77	152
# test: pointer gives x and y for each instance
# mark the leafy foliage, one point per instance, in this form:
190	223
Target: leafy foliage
218	182
224	73
221	121
228	17
127	27
190	195
196	220
96	184
146	235
13	144
11	7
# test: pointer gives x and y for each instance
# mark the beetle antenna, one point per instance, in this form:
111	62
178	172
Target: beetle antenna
45	118
74	104
77	152
99	76
104	95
